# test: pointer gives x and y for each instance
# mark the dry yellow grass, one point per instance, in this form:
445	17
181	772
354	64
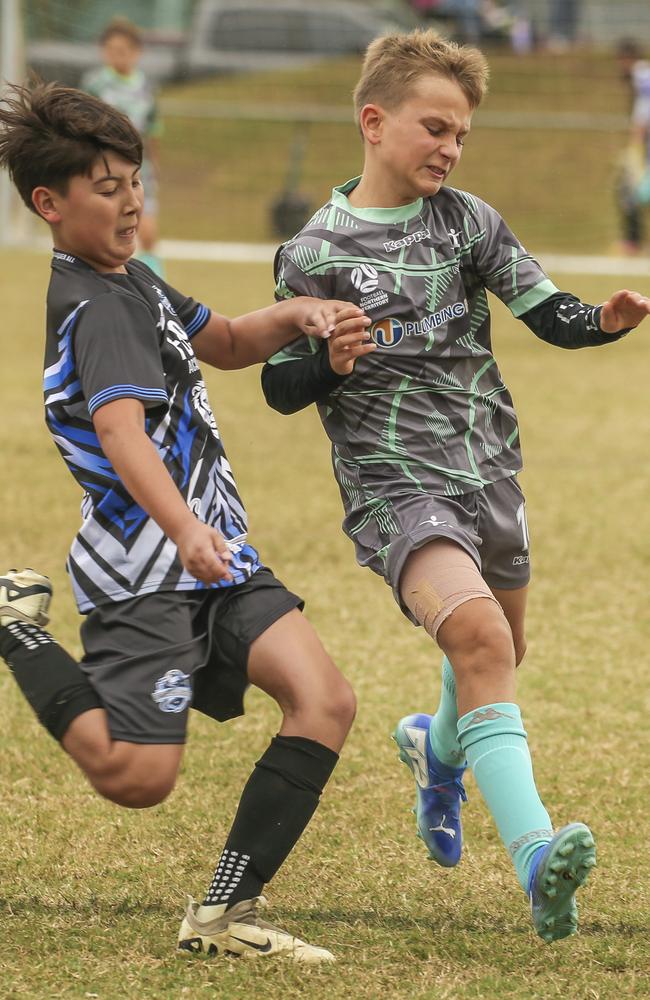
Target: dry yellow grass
91	895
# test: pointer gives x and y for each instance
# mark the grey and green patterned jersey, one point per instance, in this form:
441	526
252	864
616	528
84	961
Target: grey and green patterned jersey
428	410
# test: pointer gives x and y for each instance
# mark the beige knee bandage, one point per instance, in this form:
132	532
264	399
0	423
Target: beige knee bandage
435	584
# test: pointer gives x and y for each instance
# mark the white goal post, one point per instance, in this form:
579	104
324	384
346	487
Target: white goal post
12	70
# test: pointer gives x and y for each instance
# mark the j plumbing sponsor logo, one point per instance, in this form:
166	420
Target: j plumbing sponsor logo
390	331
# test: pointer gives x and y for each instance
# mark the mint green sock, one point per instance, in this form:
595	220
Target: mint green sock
443	732
494	739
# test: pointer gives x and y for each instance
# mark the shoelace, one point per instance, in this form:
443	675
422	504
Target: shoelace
455	783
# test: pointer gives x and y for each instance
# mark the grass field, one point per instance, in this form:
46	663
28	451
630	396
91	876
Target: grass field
91	895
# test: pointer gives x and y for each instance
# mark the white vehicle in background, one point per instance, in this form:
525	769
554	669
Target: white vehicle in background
234	36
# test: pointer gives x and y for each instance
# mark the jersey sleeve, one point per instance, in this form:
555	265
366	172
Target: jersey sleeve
502	264
117	353
192	314
291	277
290	281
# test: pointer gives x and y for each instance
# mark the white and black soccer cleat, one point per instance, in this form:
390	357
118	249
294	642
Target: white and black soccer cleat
24	597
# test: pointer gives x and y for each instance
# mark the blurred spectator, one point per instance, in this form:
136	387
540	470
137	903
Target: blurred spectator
122	83
563	27
522	35
465	15
472	20
633	179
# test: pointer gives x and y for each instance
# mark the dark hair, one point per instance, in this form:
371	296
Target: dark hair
50	133
123	27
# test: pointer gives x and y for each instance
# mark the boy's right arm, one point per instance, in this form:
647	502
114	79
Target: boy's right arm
309	378
120	428
303	373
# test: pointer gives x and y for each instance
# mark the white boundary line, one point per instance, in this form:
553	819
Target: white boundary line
263	253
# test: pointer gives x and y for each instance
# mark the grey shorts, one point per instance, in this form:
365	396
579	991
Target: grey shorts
490	524
152	658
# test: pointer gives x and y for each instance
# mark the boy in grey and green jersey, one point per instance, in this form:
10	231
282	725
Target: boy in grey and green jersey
428	409
424	437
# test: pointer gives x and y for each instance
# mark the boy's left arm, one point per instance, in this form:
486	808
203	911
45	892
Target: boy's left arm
506	269
565	321
254	337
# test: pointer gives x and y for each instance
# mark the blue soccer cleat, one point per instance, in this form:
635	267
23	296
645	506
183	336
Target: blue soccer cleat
439	789
558	869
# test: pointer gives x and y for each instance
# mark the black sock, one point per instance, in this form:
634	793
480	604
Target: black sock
52	682
277	803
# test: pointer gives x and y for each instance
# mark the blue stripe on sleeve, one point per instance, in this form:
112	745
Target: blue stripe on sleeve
201	317
125	392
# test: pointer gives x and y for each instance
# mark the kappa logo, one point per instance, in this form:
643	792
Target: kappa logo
488	715
454	238
365	277
407	241
172	692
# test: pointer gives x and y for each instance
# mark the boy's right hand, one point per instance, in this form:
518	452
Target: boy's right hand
204	553
350	340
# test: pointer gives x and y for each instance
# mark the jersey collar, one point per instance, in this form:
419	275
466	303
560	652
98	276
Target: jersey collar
401	213
69	258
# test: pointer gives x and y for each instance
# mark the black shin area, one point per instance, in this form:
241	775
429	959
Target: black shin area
277	803
52	682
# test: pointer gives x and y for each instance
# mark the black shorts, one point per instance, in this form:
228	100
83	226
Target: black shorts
152	658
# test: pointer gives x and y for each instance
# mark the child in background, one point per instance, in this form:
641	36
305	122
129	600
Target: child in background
121	83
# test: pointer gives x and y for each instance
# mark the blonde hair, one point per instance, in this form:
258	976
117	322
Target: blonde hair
393	63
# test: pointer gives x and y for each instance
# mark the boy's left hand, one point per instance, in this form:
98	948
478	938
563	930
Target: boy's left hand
318	317
623	311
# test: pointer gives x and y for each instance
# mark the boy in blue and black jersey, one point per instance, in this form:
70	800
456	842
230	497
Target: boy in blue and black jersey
425	441
179	609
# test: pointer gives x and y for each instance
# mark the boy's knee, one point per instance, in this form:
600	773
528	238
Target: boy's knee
134	789
343	704
479	641
335	701
333	705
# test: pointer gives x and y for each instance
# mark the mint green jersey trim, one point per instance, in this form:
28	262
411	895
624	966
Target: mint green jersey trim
401	213
533	297
514	272
379	458
400	261
397	267
394	440
471	415
412	390
281	357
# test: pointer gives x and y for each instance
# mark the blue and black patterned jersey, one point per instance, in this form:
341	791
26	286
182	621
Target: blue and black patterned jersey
115	336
